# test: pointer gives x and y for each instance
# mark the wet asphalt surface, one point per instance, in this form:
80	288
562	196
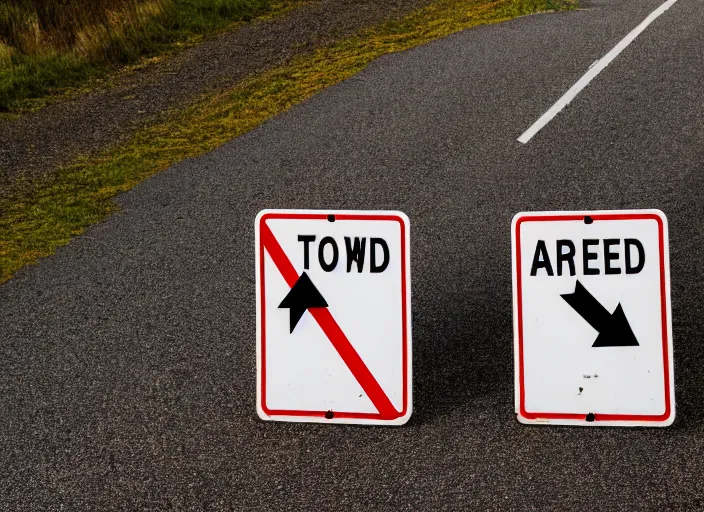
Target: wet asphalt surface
127	365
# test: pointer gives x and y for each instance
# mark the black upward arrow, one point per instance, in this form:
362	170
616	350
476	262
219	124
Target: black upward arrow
614	330
302	296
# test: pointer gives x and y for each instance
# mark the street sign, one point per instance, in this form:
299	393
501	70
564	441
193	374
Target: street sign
333	316
592	321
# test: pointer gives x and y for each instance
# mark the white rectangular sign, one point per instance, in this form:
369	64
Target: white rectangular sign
333	316
592	321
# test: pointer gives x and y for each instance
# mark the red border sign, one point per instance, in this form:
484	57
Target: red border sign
269	244
523	218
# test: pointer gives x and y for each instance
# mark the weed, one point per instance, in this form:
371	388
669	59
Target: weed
34	223
52	44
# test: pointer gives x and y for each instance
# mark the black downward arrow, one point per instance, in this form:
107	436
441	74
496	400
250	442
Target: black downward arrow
614	330
302	296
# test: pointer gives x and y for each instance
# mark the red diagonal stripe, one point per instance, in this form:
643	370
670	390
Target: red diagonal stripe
332	330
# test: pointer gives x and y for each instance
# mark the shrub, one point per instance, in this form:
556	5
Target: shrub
45	44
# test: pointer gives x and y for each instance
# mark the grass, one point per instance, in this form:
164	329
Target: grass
33	224
49	45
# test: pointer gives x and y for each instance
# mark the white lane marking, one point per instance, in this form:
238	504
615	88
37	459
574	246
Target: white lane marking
593	71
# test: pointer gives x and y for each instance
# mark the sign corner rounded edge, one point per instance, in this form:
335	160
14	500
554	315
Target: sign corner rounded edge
405	219
523	420
261	413
402	420
260	216
670	419
658	212
515	220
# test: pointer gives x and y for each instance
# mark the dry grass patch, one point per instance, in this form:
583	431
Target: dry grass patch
33	224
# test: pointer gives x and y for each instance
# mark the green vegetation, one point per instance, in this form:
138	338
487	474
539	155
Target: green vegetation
47	45
33	224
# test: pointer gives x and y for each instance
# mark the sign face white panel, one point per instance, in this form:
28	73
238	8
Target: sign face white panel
333	316
592	321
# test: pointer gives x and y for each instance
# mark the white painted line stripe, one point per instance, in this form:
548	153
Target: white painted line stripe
593	71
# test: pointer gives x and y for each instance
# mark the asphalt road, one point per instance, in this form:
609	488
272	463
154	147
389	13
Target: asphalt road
127	366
